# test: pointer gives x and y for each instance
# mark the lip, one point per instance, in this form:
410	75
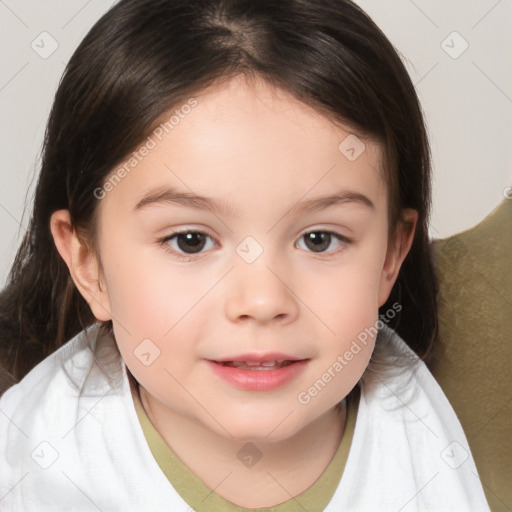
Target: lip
259	380
259	358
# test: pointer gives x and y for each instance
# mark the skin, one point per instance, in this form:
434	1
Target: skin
258	148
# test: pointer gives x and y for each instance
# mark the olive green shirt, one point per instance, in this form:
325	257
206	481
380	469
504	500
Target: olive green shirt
199	496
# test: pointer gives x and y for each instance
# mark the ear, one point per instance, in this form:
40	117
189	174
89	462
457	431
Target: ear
396	253
82	264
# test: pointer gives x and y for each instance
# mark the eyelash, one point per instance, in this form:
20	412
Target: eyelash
165	245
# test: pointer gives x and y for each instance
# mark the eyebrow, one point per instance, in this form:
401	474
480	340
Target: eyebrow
173	196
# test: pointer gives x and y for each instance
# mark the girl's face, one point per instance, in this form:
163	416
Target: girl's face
291	260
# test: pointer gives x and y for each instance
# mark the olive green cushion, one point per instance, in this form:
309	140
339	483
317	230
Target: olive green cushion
472	360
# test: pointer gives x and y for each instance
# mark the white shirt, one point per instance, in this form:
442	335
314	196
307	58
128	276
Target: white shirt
65	451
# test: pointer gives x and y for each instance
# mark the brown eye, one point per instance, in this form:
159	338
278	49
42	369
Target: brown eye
319	241
187	242
193	241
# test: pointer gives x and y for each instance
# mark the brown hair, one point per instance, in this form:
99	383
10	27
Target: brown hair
146	56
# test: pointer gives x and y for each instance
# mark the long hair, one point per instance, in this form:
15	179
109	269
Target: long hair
145	56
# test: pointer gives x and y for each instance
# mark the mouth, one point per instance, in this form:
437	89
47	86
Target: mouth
259	365
255	375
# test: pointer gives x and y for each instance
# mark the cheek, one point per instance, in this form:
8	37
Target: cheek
344	297
148	294
152	306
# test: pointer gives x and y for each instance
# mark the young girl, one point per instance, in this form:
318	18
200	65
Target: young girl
225	293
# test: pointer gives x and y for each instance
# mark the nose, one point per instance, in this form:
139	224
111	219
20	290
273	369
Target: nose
260	292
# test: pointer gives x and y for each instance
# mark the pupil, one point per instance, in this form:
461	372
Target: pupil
192	240
319	240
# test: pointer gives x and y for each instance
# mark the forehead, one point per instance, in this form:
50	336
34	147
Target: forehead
249	108
247	141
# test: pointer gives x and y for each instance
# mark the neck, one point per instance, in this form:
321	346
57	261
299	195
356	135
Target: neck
286	468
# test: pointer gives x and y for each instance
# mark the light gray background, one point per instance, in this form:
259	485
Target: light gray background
467	97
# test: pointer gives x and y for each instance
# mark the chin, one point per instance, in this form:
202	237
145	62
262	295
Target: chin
259	428
259	435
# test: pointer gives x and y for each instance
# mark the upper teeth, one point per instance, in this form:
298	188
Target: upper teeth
258	365
251	363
